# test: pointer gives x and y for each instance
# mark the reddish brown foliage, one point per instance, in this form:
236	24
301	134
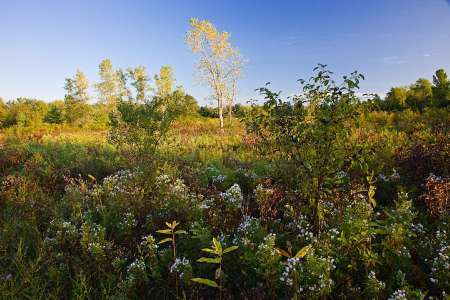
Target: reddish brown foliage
437	196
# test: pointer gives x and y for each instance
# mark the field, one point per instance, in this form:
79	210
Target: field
357	210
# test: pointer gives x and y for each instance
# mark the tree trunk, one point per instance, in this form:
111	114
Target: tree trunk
230	109
221	117
220	106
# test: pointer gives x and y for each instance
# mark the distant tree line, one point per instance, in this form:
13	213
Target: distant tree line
115	86
417	97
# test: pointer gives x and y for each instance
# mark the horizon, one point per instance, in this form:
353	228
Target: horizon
392	44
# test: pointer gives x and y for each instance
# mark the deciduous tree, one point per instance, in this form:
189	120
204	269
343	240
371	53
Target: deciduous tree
108	88
76	98
219	64
441	89
140	81
164	81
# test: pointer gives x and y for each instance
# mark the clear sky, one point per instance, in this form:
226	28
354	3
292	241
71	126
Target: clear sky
392	42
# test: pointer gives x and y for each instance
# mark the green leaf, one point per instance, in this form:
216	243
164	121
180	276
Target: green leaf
205	281
164	231
230	249
165	240
217	245
209	260
283	252
169	224
181	232
209	250
302	252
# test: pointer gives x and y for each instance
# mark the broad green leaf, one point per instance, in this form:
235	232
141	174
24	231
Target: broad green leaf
283	252
164	231
230	249
217	245
302	252
180	232
205	281
209	260
165	240
209	250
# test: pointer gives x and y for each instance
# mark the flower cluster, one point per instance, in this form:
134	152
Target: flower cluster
122	183
398	295
93	239
149	245
374	287
303	228
440	263
214	175
218	179
310	277
246	231
267	248
181	266
127	223
394	177
289	267
233	196
136	272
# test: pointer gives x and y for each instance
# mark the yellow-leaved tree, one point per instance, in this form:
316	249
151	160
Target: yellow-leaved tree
219	65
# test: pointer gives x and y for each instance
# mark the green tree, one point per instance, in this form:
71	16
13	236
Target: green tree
140	81
441	89
420	95
26	112
396	98
141	122
191	105
108	88
164	81
307	136
76	98
55	113
3	112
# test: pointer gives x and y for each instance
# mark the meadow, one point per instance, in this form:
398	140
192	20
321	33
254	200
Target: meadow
323	196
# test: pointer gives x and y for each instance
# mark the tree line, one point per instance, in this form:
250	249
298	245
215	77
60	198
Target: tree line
115	85
417	97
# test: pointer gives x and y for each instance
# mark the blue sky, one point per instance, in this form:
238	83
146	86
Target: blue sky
392	42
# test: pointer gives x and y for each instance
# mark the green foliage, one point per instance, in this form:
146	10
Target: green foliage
3	112
25	112
55	114
217	250
342	182
142	126
76	98
109	86
310	134
441	89
418	97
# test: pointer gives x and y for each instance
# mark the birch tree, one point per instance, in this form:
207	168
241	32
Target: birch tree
108	87
164	81
219	64
76	98
140	81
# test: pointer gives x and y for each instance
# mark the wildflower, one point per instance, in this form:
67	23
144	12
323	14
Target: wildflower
398	295
182	266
